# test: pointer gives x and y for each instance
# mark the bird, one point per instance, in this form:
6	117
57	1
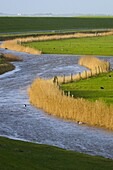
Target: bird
80	123
102	87
24	105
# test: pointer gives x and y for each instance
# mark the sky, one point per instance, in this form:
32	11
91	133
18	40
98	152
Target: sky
95	7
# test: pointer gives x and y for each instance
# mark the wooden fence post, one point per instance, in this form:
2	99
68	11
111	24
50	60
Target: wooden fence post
68	93
71	77
62	93
79	75
91	72
64	78
98	69
85	74
55	80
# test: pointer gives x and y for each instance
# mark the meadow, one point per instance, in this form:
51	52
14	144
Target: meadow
25	155
80	46
94	88
22	24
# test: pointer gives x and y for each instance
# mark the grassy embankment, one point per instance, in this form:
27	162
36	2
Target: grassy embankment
5	64
82	46
16	155
94	88
20	43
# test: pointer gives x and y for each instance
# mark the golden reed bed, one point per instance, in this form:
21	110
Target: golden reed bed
16	43
46	95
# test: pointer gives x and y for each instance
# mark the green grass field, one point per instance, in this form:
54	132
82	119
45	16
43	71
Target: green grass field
16	155
20	24
91	88
81	46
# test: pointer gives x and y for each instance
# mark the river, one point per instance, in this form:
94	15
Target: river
32	124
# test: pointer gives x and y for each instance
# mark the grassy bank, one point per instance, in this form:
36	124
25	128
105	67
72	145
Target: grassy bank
23	155
6	67
94	88
20	24
82	46
5	60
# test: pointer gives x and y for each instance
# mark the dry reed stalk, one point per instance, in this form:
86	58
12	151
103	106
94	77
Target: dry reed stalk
53	102
13	45
96	65
66	36
11	57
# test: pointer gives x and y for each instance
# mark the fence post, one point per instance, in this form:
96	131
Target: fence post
85	74
68	93
108	66
55	80
64	78
101	69
71	77
95	70
62	93
91	72
79	75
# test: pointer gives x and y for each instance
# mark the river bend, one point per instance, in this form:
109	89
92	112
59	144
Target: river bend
31	124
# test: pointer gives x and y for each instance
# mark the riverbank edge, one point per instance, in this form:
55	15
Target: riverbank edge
7	65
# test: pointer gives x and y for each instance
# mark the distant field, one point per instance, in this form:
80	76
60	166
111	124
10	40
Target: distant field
20	24
82	46
91	88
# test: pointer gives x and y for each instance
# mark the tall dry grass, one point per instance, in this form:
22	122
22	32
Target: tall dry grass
53	102
63	36
95	64
12	57
16	44
46	95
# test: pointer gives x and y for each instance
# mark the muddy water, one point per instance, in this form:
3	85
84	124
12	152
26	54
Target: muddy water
31	124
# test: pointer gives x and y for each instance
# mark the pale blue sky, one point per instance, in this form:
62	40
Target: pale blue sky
57	6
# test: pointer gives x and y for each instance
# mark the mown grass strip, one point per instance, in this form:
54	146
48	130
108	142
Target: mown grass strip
23	155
